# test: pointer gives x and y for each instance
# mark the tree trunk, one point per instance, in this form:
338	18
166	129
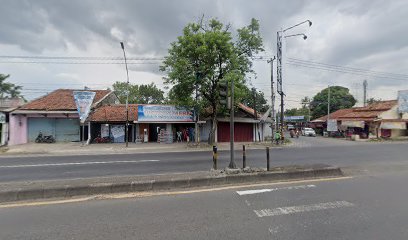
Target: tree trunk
211	136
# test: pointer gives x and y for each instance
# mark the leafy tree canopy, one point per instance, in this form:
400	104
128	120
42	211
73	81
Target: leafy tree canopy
340	98
9	90
255	99
143	94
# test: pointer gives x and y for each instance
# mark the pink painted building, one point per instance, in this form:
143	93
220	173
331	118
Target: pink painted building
53	114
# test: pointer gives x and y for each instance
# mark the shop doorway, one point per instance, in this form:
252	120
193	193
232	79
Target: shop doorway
154	130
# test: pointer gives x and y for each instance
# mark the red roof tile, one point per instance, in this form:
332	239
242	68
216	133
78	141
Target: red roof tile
248	110
380	106
334	115
113	113
60	99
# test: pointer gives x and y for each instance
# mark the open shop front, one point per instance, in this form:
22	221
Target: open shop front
164	124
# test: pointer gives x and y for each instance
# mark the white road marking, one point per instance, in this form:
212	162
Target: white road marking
248	192
247	203
301	208
75	163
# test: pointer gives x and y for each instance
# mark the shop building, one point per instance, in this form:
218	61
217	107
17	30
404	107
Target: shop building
147	123
53	114
380	119
169	123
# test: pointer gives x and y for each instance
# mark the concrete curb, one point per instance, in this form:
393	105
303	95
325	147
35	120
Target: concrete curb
68	191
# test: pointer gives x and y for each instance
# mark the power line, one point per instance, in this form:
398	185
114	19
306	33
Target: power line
346	71
346	68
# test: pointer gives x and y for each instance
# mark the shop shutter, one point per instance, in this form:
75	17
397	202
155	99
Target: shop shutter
243	132
67	130
44	125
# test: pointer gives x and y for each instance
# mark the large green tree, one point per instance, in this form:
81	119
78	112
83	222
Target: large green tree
143	94
8	90
206	54
255	99
340	98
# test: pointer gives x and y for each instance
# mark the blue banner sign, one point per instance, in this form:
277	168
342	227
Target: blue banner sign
163	113
293	118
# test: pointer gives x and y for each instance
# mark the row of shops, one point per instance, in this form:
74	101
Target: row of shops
56	114
378	120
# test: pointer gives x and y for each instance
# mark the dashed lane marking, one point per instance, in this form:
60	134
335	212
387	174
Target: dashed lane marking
249	192
302	208
75	163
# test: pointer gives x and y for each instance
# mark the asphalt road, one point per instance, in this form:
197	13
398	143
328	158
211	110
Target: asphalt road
369	207
305	151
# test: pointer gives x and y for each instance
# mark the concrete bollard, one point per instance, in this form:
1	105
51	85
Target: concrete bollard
267	159
243	157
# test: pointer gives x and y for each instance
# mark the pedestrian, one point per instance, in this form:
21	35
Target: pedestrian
277	137
179	136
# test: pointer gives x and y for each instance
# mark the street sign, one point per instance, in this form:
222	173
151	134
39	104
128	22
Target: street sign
332	125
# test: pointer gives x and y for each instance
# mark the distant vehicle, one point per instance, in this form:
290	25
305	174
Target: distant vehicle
309	132
290	127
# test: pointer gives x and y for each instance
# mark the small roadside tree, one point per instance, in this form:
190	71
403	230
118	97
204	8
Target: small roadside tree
205	55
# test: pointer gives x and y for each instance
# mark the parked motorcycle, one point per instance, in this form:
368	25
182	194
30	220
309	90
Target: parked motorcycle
44	138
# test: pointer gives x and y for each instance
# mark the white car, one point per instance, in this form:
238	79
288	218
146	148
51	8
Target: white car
309	132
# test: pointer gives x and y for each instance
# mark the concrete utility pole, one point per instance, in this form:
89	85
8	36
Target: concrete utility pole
365	84
255	113
232	162
272	100
279	74
127	97
328	105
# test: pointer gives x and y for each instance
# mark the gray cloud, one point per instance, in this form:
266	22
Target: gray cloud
367	34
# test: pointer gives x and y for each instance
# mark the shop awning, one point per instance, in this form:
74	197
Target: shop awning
348	123
393	125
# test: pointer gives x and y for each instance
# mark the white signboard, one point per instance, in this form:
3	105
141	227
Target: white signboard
332	125
83	101
403	101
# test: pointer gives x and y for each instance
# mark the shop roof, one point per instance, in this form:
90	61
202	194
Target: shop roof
379	106
368	113
60	100
113	113
248	110
334	115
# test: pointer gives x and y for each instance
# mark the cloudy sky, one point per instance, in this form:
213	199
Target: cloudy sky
349	42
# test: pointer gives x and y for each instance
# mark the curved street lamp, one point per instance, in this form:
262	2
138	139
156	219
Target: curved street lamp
280	35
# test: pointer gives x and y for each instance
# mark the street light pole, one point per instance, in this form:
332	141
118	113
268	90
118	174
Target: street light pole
280	36
127	97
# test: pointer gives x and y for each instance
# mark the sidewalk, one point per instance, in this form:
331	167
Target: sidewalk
76	148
